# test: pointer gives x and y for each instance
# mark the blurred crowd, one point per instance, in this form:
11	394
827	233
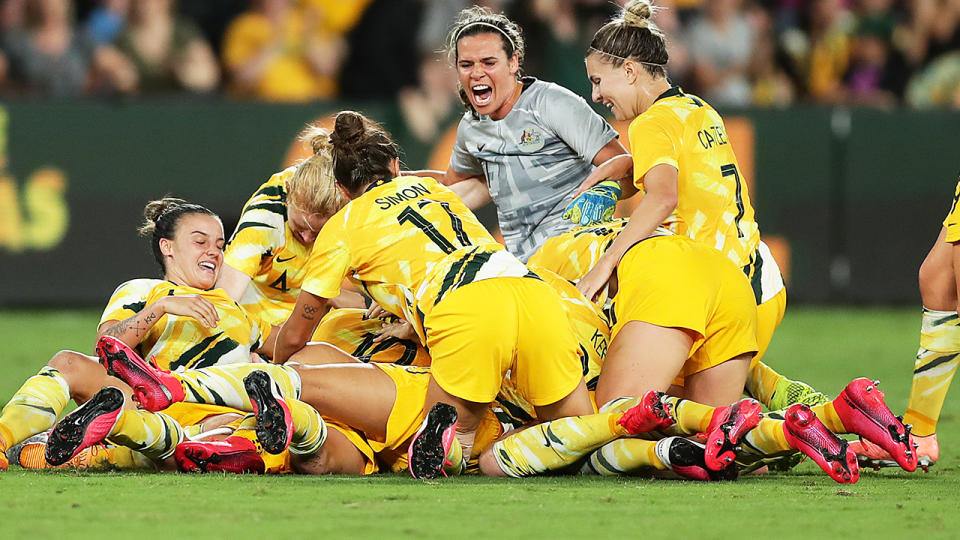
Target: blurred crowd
740	53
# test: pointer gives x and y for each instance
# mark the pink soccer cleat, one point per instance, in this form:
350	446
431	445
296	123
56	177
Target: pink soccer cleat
153	388
86	426
274	421
862	410
805	432
871	455
686	458
233	455
649	414
727	426
427	453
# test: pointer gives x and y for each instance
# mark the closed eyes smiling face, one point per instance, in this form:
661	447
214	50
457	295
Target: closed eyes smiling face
195	254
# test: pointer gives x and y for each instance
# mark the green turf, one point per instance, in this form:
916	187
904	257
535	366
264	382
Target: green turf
825	347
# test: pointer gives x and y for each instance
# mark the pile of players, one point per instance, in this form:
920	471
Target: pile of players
623	346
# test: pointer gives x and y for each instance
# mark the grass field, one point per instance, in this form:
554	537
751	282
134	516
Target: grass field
825	347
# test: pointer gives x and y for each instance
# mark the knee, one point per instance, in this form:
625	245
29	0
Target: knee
488	464
70	363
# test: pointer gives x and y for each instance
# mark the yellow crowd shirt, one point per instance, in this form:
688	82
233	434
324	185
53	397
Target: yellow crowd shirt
263	248
407	242
713	207
177	342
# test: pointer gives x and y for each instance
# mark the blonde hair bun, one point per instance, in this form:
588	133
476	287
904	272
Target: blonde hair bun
637	13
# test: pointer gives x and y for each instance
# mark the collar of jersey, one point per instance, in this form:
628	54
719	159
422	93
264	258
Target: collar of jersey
378	183
671	92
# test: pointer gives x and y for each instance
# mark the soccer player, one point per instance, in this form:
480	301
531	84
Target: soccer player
939	352
423	256
180	319
685	165
524	143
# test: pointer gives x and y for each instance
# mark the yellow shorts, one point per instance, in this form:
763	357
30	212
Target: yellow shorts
675	282
952	221
405	418
357	439
480	331
347	329
769	315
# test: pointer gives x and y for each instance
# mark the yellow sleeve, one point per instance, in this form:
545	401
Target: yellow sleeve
329	262
128	300
655	139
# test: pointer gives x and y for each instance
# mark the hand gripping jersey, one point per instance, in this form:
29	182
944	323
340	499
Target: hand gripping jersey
177	343
713	206
263	248
533	159
407	242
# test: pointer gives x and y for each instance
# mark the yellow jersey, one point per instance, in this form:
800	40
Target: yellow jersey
407	242
178	343
713	206
572	254
264	248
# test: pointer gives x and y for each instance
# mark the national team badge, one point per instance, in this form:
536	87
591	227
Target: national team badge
531	140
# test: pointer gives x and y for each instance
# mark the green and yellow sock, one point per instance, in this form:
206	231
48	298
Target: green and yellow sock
223	385
309	429
34	408
154	435
556	444
933	371
624	456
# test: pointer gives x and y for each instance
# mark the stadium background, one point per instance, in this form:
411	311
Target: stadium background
841	113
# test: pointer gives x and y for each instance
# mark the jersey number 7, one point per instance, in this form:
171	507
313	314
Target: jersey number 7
730	169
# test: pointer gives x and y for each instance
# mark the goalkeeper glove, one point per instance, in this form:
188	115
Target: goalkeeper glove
594	205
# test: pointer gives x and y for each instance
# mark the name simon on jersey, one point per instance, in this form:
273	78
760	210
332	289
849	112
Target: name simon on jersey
712	136
405	194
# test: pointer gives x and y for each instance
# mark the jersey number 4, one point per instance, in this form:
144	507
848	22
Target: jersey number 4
409	215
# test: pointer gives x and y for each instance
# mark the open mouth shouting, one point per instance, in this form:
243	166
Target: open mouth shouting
482	94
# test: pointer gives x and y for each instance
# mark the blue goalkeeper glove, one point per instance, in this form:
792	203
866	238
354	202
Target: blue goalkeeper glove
595	204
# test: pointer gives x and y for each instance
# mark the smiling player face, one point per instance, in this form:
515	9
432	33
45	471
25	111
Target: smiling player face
612	86
487	75
195	254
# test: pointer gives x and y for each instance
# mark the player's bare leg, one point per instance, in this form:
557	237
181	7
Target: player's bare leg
629	370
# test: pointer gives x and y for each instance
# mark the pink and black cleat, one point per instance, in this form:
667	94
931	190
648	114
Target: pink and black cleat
686	458
86	426
806	433
649	414
274	421
153	388
862	410
428	450
727	426
233	455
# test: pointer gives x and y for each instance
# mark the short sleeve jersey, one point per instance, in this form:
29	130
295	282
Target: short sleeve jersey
713	206
407	242
264	248
533	159
177	343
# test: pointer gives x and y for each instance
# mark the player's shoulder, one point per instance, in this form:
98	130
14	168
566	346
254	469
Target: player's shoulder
137	287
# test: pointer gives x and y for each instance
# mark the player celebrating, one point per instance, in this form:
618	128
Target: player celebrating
525	143
421	254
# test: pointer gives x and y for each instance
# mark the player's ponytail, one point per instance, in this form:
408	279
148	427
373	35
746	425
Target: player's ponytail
311	188
633	36
161	218
362	151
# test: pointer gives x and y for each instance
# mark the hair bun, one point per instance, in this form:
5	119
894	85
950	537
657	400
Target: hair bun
638	13
348	129
154	209
316	137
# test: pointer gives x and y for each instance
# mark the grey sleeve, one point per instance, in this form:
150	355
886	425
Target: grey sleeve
575	122
461	160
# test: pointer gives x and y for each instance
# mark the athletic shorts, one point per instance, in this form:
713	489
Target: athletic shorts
481	331
675	282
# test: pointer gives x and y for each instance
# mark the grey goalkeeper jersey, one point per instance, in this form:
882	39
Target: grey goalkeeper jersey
533	160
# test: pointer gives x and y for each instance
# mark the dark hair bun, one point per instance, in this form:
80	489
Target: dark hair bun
154	209
348	129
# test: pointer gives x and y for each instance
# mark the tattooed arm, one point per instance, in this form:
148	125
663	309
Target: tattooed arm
299	328
133	329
